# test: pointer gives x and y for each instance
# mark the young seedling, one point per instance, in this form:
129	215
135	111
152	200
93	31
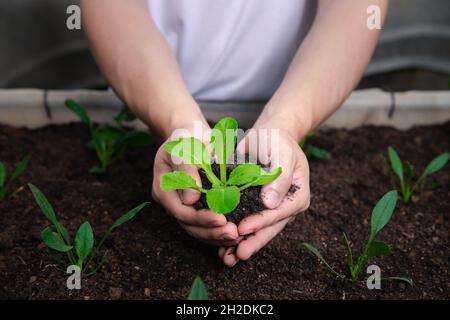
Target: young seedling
5	184
405	172
125	115
224	195
110	141
381	214
311	150
198	290
81	251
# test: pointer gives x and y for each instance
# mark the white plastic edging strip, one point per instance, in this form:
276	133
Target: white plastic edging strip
27	107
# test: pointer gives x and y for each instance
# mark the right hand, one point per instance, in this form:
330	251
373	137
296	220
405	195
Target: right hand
203	224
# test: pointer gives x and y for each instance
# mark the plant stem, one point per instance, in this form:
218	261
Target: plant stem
211	176
223	172
361	261
97	249
248	185
71	257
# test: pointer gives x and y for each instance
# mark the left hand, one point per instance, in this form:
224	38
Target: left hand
282	207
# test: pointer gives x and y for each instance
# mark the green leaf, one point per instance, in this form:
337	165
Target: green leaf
177	180
128	216
198	290
54	240
318	152
137	138
79	111
310	135
43	203
408	171
403	279
267	177
125	115
349	253
378	248
436	164
317	253
107	134
223	139
20	168
382	212
106	141
190	150
84	241
62	231
244	173
223	200
2	174
396	163
48	211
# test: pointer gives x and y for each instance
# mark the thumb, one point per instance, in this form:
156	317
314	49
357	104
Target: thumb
189	196
274	192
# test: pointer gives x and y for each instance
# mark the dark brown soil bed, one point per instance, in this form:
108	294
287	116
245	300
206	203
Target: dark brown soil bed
152	258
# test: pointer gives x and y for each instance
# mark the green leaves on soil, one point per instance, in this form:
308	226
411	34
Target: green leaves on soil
381	214
310	150
109	141
5	184
83	253
405	173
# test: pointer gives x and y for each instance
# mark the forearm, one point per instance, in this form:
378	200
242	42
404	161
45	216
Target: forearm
138	63
326	68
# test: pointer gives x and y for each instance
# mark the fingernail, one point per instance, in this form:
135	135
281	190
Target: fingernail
271	198
248	231
238	239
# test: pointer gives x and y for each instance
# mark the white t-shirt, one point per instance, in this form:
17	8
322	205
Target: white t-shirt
233	50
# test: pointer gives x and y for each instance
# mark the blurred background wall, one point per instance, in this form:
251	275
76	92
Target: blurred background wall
38	51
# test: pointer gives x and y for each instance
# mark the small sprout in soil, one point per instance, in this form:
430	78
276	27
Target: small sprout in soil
381	214
110	141
224	196
198	290
81	252
405	172
311	150
5	184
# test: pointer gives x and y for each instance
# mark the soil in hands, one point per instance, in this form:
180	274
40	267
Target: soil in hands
151	257
250	203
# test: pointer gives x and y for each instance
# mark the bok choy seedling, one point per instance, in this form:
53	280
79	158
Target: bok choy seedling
224	195
5	183
110	141
405	173
381	214
311	150
81	252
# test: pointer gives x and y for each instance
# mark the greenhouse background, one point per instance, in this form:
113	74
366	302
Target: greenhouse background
37	50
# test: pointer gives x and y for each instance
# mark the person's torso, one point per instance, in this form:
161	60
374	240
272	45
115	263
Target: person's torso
233	50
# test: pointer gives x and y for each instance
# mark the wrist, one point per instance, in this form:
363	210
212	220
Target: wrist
165	119
296	121
189	119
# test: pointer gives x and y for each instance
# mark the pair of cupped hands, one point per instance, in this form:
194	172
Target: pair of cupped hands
254	232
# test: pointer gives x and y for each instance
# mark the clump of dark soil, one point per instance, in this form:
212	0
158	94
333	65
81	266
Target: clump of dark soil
250	203
152	258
